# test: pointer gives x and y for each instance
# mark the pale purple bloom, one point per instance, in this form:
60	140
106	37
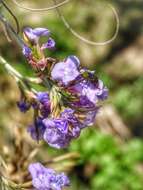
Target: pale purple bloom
55	134
49	45
37	129
74	124
82	103
67	71
43	98
59	132
102	91
90	117
80	91
41	32
26	51
68	114
89	92
23	105
34	34
46	178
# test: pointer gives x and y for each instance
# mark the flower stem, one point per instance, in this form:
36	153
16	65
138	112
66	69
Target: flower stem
10	69
73	155
18	76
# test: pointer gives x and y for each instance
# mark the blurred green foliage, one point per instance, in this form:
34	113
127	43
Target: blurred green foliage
115	167
129	102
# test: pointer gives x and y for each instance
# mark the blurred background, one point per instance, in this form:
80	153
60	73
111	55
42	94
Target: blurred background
112	150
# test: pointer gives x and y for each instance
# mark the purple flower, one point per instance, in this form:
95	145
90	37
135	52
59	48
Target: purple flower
82	103
26	51
86	118
102	92
59	132
23	106
33	35
43	98
55	134
37	129
89	93
67	71
90	117
74	124
46	178
49	45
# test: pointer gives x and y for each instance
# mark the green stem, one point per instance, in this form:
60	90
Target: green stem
47	83
10	69
18	76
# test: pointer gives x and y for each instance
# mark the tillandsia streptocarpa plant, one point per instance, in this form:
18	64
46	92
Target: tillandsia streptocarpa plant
69	103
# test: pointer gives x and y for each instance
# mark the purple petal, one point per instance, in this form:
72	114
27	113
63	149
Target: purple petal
46	178
73	59
89	92
43	97
37	129
26	51
66	72
23	106
102	91
55	138
49	45
90	117
36	169
29	33
55	133
41	32
34	34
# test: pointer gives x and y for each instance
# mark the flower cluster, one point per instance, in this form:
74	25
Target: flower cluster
32	49
47	179
72	96
69	103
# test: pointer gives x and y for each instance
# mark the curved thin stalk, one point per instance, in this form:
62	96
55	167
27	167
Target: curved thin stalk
72	155
40	9
12	14
77	35
11	31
